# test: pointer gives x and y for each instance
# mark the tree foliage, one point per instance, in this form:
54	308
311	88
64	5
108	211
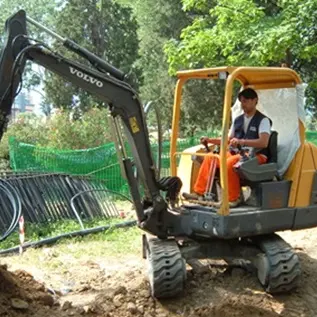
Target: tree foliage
60	131
105	28
153	39
249	32
89	131
43	11
158	21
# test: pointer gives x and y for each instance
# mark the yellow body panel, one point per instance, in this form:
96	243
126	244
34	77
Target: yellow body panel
188	169
294	170
306	175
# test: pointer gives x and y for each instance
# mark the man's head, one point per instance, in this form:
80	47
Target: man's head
249	99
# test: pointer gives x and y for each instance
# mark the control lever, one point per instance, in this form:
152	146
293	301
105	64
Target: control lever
242	152
206	146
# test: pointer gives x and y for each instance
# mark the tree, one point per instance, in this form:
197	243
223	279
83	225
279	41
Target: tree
43	11
105	28
159	21
91	130
59	131
249	32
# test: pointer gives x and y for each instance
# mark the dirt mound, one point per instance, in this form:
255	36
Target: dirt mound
238	306
126	304
127	295
21	294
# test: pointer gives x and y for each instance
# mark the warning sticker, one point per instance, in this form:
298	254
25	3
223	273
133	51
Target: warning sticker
134	125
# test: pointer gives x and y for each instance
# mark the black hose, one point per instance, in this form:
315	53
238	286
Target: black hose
70	235
88	191
15	200
160	136
93	190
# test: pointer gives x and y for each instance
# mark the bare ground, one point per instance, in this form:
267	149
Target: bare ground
87	285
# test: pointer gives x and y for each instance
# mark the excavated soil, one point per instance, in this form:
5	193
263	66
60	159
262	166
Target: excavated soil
116	287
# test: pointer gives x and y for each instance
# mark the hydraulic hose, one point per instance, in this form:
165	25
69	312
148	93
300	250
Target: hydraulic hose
15	201
159	132
82	233
88	191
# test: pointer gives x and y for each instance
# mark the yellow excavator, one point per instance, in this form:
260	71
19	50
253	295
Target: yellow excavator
175	230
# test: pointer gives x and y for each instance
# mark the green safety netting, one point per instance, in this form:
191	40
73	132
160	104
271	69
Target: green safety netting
100	162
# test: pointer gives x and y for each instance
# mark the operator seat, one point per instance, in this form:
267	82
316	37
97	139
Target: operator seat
250	170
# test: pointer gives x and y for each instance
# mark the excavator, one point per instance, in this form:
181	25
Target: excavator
176	231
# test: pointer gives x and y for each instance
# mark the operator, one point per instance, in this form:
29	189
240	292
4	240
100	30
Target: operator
252	129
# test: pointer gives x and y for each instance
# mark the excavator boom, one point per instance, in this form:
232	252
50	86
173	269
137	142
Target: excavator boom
101	80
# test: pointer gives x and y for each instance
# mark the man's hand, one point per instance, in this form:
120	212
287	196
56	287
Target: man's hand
204	140
235	142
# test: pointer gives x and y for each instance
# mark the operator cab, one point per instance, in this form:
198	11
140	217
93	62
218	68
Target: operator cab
281	98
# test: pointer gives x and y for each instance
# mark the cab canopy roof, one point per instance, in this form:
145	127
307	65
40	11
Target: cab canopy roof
255	77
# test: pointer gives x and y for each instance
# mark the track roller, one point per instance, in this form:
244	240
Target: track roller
278	267
166	268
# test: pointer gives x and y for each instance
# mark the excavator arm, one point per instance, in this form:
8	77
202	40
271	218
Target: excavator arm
107	83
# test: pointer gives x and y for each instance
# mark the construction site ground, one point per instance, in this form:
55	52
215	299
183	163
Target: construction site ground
96	277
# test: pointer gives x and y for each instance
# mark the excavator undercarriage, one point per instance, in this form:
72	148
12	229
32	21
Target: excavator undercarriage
276	265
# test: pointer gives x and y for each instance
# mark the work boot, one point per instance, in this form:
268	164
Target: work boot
192	196
236	203
232	204
252	200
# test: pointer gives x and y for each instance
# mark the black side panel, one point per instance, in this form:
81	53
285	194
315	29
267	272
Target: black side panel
305	218
313	199
272	147
237	224
257	222
275	195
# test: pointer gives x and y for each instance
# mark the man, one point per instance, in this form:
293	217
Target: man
251	130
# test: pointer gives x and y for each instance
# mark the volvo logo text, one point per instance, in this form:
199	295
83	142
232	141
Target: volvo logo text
86	77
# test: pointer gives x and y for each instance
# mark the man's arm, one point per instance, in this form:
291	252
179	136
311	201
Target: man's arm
262	141
217	141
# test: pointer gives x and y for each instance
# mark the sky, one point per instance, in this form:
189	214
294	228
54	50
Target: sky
36	99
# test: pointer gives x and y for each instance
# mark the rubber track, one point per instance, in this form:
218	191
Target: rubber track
167	268
285	269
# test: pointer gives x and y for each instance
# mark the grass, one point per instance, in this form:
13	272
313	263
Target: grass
67	260
36	232
69	254
58	258
114	242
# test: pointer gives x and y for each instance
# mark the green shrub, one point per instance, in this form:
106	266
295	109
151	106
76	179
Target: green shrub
60	131
91	130
28	128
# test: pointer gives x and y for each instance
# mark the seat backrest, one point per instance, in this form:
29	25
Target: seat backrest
272	148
